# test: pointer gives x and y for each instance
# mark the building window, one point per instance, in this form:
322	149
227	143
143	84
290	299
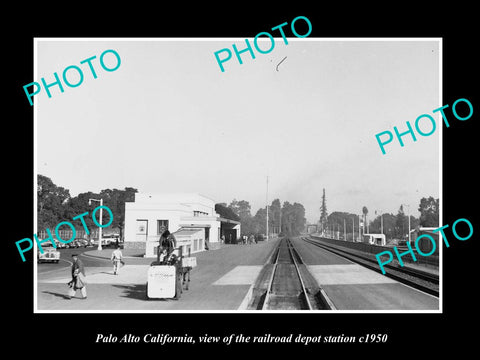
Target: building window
162	225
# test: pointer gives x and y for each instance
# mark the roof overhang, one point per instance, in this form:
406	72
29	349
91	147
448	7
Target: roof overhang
228	221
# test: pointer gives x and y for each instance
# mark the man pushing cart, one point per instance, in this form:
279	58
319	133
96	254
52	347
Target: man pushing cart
170	271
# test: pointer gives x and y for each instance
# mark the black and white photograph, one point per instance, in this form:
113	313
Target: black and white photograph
215	181
268	176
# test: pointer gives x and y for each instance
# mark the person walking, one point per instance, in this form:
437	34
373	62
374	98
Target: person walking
79	281
117	259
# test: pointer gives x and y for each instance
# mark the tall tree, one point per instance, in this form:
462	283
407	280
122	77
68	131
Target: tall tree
275	216
260	221
225	212
51	203
344	222
365	212
286	218
115	200
400	222
429	212
323	213
293	218
393	225
242	209
300	221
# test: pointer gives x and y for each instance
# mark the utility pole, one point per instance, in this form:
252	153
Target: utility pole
408	221
381	223
101	216
353	229
381	220
359	228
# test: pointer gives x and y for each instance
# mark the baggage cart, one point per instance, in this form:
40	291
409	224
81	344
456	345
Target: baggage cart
161	281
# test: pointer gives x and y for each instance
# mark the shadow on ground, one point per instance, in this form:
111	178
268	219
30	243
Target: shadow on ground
136	291
62	296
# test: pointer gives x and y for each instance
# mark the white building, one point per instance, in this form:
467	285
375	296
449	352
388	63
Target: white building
189	216
375	239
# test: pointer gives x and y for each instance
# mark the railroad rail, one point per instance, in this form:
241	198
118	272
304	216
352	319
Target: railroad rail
418	279
286	284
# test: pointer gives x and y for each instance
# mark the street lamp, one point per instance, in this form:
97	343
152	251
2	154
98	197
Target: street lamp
101	215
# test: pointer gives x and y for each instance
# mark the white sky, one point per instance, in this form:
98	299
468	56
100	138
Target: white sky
168	120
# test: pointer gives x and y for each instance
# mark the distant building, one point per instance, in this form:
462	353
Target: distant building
191	217
312	228
375	239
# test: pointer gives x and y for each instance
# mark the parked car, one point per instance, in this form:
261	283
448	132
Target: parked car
49	255
80	242
87	243
105	242
74	244
111	239
59	244
47	244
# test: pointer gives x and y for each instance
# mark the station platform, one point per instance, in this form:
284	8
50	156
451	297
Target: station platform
353	287
433	270
220	282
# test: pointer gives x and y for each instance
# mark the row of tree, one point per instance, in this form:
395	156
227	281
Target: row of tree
288	219
393	226
55	204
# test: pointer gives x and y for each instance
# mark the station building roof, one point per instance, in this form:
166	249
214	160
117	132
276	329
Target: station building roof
186	231
228	221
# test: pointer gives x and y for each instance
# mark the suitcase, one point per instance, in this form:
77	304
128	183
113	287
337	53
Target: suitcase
161	282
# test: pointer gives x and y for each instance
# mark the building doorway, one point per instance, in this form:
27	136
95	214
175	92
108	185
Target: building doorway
142	230
207	238
230	236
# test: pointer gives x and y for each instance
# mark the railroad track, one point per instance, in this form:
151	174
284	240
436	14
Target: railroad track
286	284
420	280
